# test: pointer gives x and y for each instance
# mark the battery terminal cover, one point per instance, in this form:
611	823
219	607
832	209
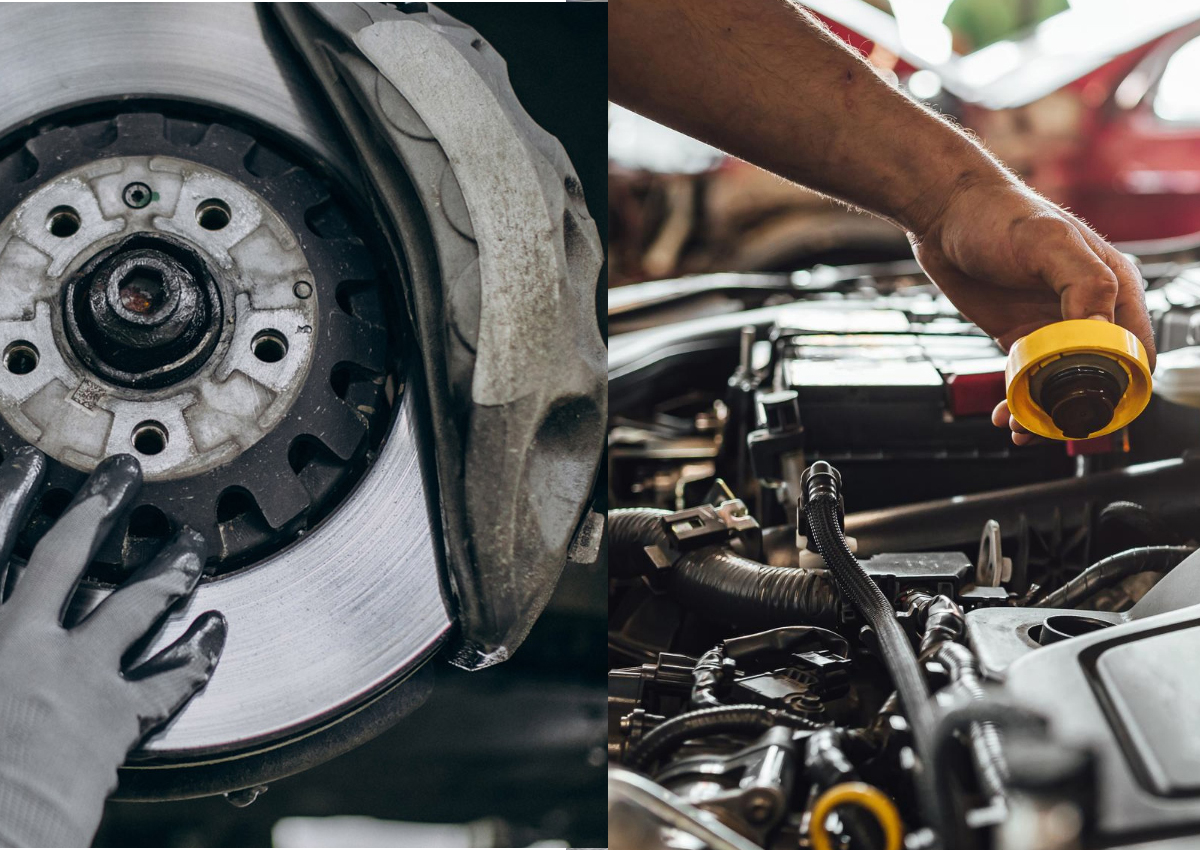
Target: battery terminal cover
1077	379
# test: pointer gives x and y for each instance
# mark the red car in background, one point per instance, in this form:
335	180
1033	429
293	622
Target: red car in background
1097	107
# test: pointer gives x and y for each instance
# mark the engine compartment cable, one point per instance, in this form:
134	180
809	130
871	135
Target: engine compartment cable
746	719
1113	569
821	504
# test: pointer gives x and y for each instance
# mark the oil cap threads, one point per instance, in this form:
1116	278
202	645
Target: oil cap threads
1077	379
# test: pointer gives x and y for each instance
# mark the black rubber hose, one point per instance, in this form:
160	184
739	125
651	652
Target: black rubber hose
728	588
717	582
963	668
1109	571
821	485
748	719
630	531
1132	517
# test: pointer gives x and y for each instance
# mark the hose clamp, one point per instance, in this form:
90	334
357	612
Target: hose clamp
706	525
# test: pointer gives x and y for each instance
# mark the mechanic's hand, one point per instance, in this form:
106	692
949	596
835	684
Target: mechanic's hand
70	707
1012	262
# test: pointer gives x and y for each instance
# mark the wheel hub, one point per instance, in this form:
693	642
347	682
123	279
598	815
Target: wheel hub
222	325
145	313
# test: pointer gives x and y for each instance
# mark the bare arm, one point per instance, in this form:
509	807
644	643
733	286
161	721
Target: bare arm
765	81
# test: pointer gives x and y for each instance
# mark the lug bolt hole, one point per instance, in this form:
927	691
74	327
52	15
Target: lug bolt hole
270	346
149	438
63	222
21	357
212	214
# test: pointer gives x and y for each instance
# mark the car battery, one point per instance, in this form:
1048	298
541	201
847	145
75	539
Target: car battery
902	392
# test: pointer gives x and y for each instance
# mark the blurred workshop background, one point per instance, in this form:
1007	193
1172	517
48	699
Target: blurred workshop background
1092	102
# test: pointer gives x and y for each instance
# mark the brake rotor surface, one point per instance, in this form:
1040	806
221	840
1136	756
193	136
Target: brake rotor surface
180	278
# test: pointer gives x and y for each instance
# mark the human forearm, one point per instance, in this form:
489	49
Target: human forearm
765	81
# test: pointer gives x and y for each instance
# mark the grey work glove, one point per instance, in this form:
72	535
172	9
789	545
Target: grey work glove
69	712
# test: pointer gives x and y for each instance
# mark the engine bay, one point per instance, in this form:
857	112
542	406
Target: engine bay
846	611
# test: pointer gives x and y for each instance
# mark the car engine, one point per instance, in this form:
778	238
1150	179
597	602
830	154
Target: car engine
846	611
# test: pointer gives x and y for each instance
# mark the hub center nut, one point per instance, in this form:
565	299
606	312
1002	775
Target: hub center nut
144	313
143	297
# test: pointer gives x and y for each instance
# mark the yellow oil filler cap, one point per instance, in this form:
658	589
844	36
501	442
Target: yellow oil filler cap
1077	379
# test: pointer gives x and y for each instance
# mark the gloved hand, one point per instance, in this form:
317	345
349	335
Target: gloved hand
70	708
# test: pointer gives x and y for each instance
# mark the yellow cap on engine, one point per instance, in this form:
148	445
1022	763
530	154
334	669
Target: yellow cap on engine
1077	379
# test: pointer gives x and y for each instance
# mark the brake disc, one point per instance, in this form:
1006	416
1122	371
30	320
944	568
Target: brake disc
197	266
184	274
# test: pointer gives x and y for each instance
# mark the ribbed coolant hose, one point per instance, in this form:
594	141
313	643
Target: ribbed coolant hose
732	589
820	497
717	582
630	531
